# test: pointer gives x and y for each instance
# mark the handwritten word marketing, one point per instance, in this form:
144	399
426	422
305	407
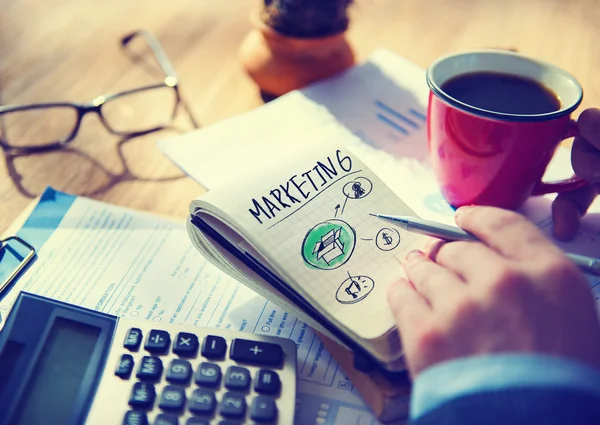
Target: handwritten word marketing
300	187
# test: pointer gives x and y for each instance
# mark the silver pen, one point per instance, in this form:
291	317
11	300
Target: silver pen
442	231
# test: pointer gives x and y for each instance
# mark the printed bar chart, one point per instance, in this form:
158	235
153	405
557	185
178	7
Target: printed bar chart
401	122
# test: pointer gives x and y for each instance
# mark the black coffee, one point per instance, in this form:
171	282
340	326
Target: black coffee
497	92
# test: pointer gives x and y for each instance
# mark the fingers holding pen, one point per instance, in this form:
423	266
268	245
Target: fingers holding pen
506	232
436	284
472	261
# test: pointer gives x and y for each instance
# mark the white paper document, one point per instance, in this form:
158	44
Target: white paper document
383	102
133	264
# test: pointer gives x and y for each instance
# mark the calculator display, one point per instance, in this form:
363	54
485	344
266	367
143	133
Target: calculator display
57	376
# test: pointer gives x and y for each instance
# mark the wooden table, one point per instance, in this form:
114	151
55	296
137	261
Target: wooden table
69	50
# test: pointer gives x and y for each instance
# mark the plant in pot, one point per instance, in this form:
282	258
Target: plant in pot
296	42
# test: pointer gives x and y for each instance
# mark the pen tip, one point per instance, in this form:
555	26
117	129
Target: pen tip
374	215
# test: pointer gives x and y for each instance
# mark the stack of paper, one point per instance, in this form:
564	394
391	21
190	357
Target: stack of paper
384	103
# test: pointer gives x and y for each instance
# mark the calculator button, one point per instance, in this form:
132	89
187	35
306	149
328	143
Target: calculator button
267	382
263	409
172	398
125	366
142	395
237	378
202	402
157	341
133	339
166	419
208	374
150	369
135	417
186	344
214	347
197	421
233	405
263	353
179	371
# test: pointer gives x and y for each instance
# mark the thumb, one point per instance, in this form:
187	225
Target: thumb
585	159
569	207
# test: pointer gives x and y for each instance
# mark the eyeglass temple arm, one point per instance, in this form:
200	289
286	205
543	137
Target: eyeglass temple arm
157	50
163	61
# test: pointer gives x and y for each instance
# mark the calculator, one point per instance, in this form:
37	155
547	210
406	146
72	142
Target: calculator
64	364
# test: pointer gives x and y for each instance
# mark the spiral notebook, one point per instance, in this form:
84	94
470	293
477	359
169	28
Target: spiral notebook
299	232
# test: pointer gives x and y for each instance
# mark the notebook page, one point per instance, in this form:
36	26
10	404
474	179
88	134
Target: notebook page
309	214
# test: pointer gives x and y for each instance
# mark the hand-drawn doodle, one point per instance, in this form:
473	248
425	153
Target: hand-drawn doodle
337	208
358	188
387	239
354	289
328	245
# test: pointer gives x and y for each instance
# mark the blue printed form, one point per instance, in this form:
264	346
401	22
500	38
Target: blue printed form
46	217
134	264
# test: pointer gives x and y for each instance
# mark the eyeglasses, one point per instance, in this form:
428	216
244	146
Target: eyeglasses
44	126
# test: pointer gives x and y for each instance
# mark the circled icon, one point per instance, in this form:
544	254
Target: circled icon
387	239
354	289
329	244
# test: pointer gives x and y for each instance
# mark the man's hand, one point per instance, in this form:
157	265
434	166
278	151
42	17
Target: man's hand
515	292
569	207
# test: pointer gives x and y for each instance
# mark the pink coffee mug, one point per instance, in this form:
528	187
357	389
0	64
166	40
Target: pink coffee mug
484	157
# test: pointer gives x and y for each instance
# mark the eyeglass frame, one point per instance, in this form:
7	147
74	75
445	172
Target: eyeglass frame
95	106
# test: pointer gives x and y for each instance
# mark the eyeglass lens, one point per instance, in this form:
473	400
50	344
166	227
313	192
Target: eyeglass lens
129	112
140	110
38	127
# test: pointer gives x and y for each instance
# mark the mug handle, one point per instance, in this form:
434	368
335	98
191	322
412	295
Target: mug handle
566	185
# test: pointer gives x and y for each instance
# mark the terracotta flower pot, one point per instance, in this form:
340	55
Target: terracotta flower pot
279	63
